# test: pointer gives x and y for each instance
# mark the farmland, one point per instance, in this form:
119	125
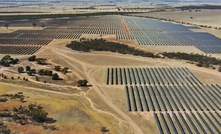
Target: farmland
132	87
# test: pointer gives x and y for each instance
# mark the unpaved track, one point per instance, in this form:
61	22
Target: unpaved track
90	78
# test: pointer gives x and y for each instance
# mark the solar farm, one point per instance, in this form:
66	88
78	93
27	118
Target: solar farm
139	94
179	101
145	31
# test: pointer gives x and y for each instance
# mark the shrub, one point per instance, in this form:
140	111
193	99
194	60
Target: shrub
32	58
20	69
55	76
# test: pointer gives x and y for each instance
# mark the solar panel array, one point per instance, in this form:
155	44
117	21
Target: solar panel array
144	30
155	32
178	100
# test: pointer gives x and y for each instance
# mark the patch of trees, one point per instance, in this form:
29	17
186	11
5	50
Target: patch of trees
200	7
40	61
18	96
87	45
201	60
30	114
4	129
64	70
8	60
45	72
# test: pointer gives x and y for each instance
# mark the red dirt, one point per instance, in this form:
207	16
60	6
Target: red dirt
126	29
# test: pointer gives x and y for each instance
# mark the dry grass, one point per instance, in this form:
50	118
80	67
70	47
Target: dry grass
73	114
205	17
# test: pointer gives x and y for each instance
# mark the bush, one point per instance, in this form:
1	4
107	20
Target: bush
219	69
28	68
32	58
20	69
82	82
38	115
57	68
55	76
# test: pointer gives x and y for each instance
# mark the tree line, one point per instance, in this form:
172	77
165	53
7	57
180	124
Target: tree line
200	7
87	45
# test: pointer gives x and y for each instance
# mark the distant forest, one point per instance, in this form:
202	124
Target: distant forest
200	7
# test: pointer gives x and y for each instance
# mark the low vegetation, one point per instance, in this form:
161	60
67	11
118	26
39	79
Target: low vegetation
8	60
82	83
87	45
200	7
201	60
31	114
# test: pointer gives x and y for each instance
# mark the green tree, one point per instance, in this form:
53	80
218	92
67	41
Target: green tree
57	68
38	114
20	69
65	70
82	82
32	58
41	72
33	71
47	72
28	68
104	130
219	69
55	76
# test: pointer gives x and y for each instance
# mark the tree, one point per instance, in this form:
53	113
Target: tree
104	130
28	68
47	72
82	82
34	24
41	72
39	115
32	58
6	25
20	69
55	76
219	69
65	70
57	68
41	61
31	72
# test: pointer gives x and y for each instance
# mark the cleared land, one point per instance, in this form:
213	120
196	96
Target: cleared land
204	17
